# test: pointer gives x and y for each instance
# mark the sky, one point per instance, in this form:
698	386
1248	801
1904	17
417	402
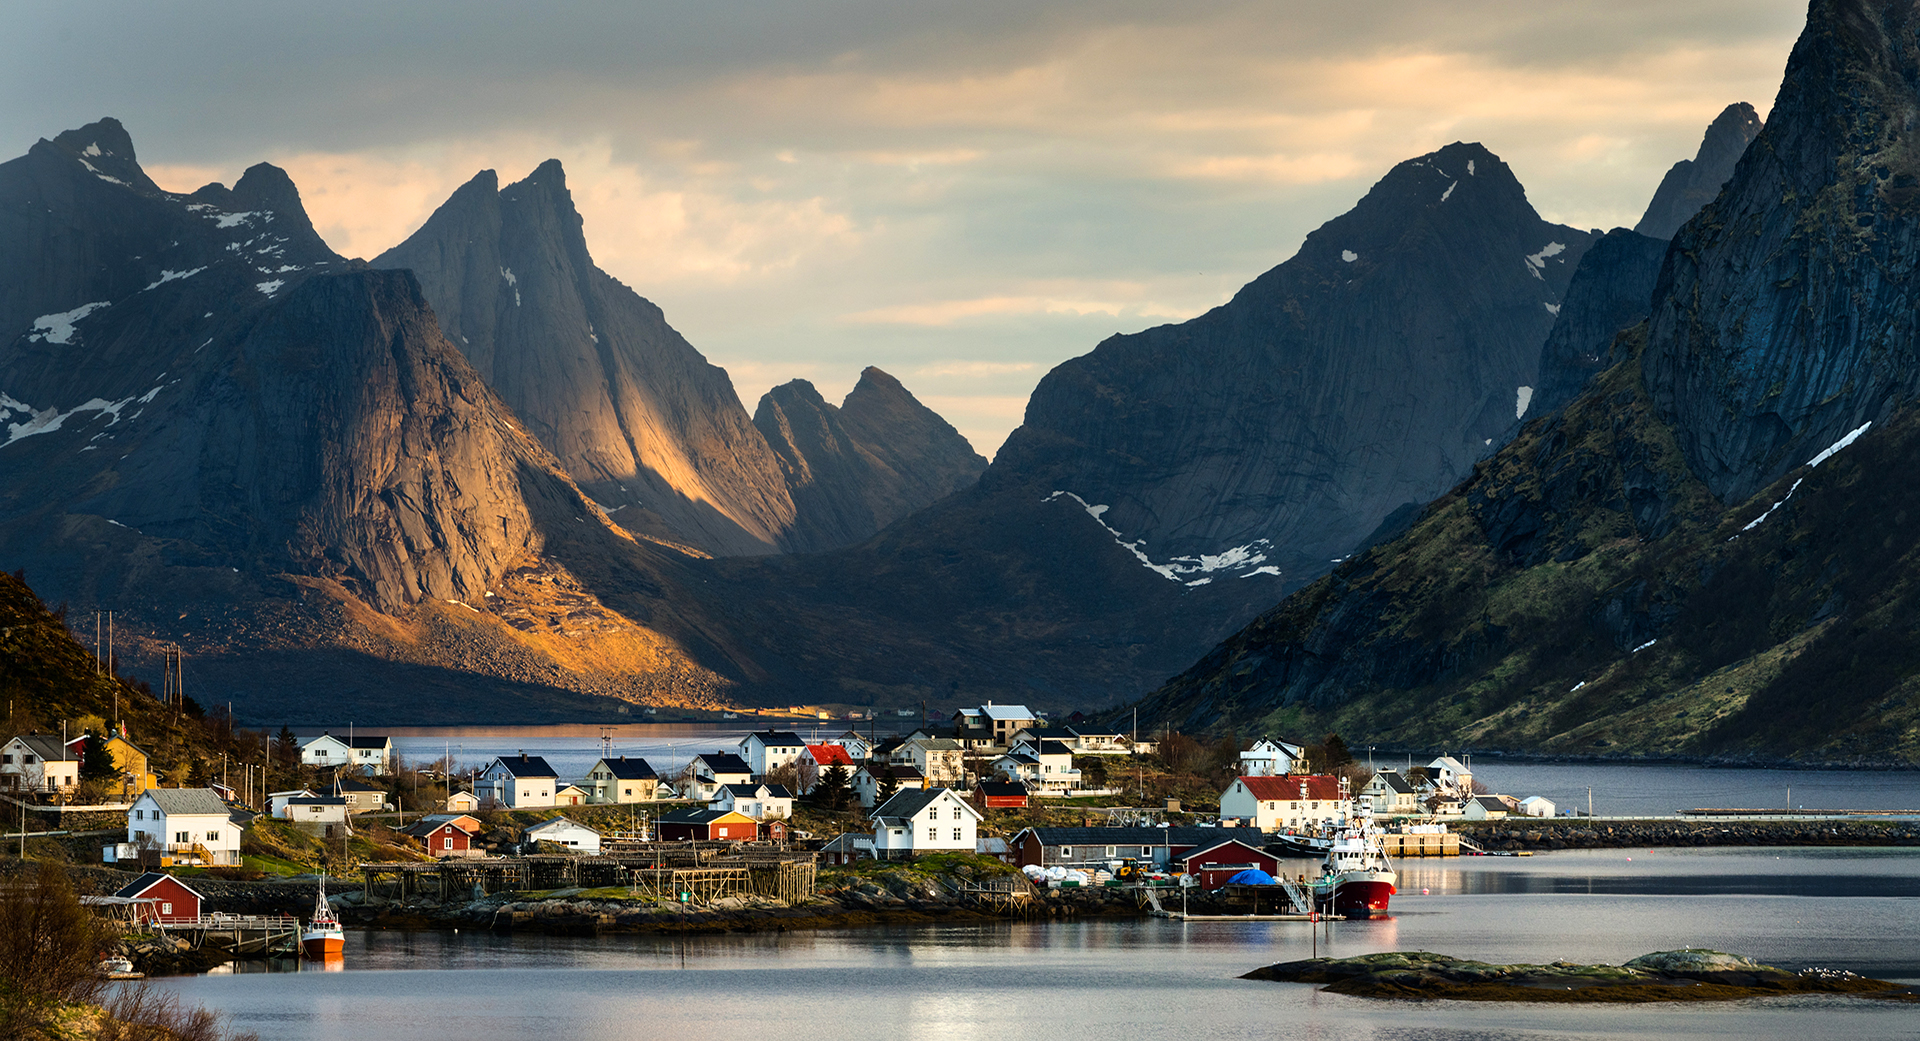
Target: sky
963	194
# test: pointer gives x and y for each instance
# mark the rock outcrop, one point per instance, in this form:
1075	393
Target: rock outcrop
855	469
1692	183
1611	290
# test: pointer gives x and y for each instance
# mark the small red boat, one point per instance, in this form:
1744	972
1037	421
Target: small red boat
323	938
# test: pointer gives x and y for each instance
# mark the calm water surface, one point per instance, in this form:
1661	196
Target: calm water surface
1145	979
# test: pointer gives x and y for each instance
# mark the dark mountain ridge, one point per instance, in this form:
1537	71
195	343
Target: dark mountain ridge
1707	552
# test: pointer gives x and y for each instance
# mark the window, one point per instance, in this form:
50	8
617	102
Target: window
933	834
1146	851
7	759
213	836
166	909
139	815
1111	851
956	835
1066	852
447	843
181	836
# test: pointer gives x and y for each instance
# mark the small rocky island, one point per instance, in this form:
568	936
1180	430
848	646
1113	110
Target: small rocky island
1686	975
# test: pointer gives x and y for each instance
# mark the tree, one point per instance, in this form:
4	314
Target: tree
885	788
49	950
831	789
286	748
1329	755
96	763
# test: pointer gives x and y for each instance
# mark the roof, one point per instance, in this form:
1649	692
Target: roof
1536	799
150	879
1203	850
1394	782
910	802
1450	764
48	747
897	772
888	745
1021	758
625	769
524	765
725	763
317	800
1006	712
548	825
698	815
354	741
1001	789
830	755
939	744
1049	746
1492	802
1196	837
350	783
1319	786
847	843
190	801
776	738
1088	730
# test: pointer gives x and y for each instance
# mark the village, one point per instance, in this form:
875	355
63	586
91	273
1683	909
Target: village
1027	806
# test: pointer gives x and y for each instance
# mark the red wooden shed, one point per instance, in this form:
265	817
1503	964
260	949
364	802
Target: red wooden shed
1223	860
171	899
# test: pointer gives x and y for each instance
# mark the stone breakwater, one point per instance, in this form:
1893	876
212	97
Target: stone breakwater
1542	835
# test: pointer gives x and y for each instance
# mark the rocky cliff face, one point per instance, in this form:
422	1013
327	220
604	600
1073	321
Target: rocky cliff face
1707	552
1611	290
855	469
635	414
1786	318
1371	370
1692	183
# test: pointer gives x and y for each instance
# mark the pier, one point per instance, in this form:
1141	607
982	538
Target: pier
684	872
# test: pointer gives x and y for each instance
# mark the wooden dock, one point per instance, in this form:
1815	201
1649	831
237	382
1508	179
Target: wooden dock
1397	845
682	872
241	934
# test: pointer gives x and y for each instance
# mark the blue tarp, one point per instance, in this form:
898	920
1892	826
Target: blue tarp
1252	877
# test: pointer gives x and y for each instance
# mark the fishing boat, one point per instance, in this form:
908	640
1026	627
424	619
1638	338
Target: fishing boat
1356	880
323	937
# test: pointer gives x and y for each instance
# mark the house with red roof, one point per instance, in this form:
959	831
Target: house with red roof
1298	802
815	760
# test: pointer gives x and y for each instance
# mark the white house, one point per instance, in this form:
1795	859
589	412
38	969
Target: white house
708	772
1392	795
1272	759
1450	774
186	824
857	747
1055	760
1087	739
367	753
361	797
1294	803
277	801
463	802
930	820
519	782
619	779
39	763
762	802
1536	806
939	759
573	835
321	815
769	750
1487	808
991	723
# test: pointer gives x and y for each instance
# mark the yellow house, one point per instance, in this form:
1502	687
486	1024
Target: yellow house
135	777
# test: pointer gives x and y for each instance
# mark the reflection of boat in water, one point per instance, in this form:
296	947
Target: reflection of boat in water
1356	880
335	962
323	937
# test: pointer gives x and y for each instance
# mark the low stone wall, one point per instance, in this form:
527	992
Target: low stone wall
1539	835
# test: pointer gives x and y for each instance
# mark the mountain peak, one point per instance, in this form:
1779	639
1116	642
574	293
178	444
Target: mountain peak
106	149
1692	183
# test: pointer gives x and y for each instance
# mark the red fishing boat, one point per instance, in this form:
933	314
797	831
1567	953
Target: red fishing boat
1356	879
323	938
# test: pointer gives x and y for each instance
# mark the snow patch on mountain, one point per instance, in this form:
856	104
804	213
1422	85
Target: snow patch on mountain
1182	569
1522	397
169	276
1852	436
1537	262
58	328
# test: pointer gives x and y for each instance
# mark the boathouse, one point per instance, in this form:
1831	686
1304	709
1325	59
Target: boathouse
702	824
1077	847
166	899
1221	861
1000	795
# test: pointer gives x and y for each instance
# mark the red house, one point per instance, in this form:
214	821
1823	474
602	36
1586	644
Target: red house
816	760
1221	861
1000	795
446	835
702	824
167	898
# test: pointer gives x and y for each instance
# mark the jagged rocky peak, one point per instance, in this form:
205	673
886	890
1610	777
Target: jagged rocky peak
854	469
1272	434
1611	290
1749	355
105	149
644	423
1692	183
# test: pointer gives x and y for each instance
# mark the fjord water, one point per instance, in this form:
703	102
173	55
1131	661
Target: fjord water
1855	909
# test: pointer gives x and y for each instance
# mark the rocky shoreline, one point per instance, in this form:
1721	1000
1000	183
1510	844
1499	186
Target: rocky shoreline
1543	835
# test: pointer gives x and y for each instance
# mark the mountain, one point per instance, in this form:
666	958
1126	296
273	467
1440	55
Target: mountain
1611	290
246	445
1371	370
645	424
1707	552
855	469
1692	183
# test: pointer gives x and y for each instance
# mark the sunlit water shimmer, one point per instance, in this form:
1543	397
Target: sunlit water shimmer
1147	978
